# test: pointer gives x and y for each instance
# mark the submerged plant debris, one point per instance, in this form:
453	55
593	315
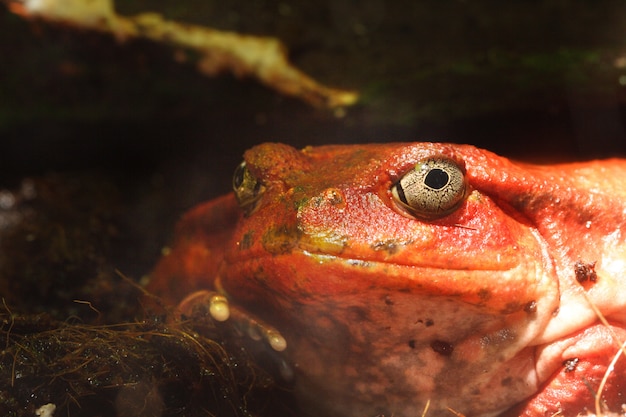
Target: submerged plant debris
146	368
80	339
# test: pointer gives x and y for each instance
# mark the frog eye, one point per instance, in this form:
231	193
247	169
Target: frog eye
433	189
247	187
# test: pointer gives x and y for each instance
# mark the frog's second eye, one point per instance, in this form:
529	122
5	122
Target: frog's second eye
433	189
247	187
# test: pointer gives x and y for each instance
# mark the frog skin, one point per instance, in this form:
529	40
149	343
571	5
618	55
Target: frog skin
410	278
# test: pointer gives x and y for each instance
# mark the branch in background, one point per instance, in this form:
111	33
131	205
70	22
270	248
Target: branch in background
263	58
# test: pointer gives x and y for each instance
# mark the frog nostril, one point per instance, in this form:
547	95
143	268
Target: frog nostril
441	347
335	198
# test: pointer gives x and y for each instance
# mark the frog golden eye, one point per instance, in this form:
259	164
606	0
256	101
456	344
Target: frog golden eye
247	187
433	189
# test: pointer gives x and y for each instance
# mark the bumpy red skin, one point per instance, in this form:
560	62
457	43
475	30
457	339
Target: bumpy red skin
479	311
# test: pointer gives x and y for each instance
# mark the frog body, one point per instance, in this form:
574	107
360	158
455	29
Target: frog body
420	276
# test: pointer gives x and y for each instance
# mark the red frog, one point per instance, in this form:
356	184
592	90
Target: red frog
417	279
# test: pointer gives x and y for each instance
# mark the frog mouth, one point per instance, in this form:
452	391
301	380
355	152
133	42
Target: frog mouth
527	285
325	248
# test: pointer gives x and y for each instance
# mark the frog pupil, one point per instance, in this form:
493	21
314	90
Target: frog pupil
436	179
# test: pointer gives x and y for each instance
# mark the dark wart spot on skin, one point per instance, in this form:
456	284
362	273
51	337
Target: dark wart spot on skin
246	241
426	322
357	314
281	239
570	364
511	307
484	294
412	343
585	271
531	307
389	246
506	382
441	347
